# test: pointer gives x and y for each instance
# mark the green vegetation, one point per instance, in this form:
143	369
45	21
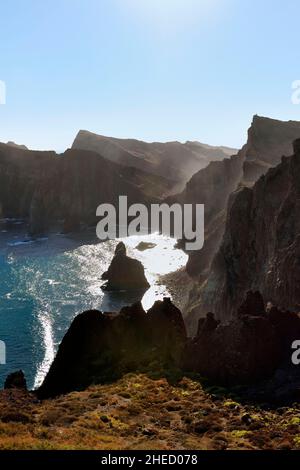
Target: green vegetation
139	412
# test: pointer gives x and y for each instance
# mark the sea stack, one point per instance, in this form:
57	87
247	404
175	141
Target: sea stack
125	273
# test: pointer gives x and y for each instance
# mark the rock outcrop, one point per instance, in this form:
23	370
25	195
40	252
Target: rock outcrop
16	380
125	273
171	160
268	140
101	347
249	348
261	246
226	190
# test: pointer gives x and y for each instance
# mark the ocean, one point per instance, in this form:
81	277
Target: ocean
45	283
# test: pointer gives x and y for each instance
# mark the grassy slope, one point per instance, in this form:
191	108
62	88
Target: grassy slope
140	413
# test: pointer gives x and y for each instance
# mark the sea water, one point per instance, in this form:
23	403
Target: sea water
45	283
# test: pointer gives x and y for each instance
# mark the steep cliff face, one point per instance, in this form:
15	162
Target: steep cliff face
44	187
261	246
248	348
211	187
268	140
21	172
172	160
102	347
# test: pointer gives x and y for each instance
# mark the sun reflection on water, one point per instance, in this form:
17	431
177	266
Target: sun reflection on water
59	279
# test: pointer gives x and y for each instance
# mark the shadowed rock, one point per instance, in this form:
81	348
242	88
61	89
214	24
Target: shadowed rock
16	380
260	249
246	349
125	273
253	305
101	347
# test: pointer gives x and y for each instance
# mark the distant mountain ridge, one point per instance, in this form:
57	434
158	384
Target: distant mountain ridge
45	187
173	160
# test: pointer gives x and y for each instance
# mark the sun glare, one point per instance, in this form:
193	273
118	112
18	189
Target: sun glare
173	14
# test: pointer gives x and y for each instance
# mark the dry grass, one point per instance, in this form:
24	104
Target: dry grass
140	413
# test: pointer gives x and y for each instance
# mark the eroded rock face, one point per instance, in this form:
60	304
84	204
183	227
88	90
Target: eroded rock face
211	187
217	186
249	348
172	160
102	347
268	141
16	380
261	245
125	273
48	189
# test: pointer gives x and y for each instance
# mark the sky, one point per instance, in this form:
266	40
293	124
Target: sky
155	70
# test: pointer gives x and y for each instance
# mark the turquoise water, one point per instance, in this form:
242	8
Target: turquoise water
45	284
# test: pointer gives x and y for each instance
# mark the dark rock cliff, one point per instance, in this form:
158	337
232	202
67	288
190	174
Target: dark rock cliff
261	245
249	348
224	188
101	347
268	140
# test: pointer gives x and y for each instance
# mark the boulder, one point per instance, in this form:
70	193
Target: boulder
16	380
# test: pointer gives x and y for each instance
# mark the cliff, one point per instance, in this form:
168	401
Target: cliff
268	140
101	347
171	160
249	348
45	188
261	245
253	347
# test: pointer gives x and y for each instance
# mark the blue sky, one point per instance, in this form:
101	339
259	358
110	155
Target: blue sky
155	70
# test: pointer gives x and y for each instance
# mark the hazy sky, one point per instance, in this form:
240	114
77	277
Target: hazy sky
149	69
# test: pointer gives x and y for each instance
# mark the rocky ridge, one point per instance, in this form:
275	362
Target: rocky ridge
172	160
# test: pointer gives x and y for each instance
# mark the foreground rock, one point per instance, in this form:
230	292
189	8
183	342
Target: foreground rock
249	348
99	347
16	380
125	273
255	346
